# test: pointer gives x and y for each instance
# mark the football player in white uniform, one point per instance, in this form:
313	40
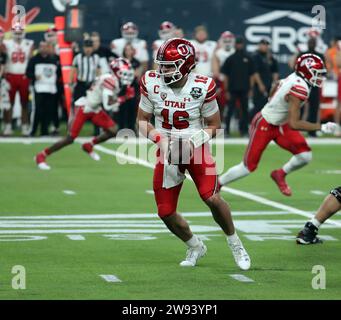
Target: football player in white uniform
204	50
279	121
182	101
130	34
19	51
224	49
108	91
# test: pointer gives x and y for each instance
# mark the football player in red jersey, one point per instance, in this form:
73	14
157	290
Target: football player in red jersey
181	102
330	205
109	90
279	121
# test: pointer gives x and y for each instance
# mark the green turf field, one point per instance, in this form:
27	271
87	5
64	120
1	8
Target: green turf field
108	226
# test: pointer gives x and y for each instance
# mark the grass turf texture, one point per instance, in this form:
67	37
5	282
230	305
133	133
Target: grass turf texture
60	268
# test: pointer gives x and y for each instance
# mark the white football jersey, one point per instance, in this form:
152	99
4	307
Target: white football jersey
222	55
140	46
179	112
203	55
18	55
276	110
106	85
156	45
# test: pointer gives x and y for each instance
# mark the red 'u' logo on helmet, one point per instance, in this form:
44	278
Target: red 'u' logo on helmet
183	49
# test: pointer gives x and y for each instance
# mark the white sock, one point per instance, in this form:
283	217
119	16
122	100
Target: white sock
297	161
232	238
193	242
315	222
234	173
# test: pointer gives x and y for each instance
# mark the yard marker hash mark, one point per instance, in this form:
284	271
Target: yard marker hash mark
241	278
110	278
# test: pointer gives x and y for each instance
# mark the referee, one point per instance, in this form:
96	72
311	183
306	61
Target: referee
87	66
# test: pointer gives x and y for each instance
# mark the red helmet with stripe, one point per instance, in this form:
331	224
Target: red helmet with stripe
166	30
311	68
123	70
176	59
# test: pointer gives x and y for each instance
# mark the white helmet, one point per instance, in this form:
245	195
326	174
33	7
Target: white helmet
166	30
129	31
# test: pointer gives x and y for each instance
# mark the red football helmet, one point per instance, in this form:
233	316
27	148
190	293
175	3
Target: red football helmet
166	30
311	68
227	40
129	31
123	70
18	31
177	53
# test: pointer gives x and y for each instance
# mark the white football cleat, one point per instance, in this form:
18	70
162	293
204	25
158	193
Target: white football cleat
44	166
95	156
240	255
193	255
25	130
8	130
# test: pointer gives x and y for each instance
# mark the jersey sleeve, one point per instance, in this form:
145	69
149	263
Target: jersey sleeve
109	84
146	105
209	108
143	86
299	91
211	92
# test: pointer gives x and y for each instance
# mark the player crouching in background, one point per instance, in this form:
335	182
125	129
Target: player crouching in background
109	91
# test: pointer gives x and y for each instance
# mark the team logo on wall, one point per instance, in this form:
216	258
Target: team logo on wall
196	92
163	95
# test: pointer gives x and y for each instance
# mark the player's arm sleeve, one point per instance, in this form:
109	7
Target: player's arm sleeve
146	105
299	92
108	101
211	92
209	108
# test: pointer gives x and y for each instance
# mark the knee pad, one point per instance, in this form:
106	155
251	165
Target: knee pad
336	193
305	157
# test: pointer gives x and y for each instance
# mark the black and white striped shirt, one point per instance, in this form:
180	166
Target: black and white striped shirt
86	67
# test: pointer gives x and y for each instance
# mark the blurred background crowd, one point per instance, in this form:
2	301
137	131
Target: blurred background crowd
32	98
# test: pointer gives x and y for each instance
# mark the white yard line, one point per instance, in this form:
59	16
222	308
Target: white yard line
233	191
230	141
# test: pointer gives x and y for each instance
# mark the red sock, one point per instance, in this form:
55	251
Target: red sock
94	141
282	171
47	152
